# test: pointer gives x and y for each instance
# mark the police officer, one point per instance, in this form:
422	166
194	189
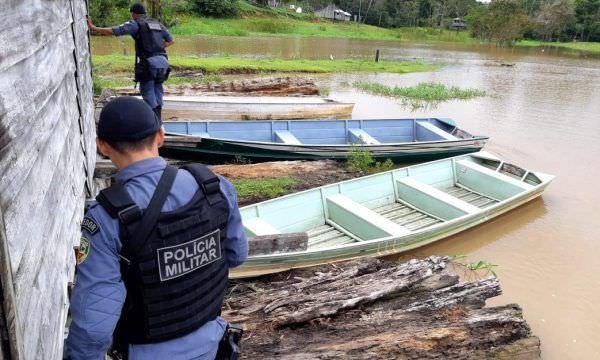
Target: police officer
151	64
155	249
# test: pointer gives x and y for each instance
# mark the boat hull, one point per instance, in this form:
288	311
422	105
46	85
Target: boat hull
240	108
390	212
385	247
217	150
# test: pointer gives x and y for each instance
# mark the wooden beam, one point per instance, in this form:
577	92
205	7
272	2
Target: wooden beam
373	309
360	220
277	243
9	300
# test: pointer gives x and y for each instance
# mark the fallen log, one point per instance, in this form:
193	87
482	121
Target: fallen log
372	309
272	86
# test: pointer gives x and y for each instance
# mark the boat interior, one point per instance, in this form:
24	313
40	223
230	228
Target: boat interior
395	203
296	132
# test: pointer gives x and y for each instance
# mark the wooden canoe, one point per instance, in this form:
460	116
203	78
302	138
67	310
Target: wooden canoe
396	139
253	108
389	212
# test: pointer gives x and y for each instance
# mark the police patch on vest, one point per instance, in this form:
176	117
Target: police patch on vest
90	225
178	260
84	250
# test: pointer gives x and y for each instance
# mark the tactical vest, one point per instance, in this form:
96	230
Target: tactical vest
172	263
149	40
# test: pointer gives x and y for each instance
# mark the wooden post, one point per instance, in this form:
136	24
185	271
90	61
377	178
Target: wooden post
377	56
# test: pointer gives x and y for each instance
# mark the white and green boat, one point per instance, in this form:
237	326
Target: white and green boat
389	212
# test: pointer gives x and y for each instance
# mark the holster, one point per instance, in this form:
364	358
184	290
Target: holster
141	72
229	347
162	76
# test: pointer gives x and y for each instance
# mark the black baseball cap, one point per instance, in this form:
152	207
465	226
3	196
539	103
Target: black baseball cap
127	119
137	8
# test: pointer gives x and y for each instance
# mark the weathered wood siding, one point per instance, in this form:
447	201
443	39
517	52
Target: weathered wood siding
46	165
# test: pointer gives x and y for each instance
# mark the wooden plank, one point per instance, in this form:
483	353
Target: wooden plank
25	201
286	137
85	88
361	137
36	282
47	143
277	243
29	103
434	130
361	221
488	182
28	26
10	312
432	200
371	309
259	227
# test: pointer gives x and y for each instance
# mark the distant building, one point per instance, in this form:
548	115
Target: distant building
274	3
458	24
333	12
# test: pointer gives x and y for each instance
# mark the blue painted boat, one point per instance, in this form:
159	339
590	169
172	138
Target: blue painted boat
396	139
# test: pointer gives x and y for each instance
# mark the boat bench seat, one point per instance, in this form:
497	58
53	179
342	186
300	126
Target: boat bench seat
436	130
432	200
286	137
360	220
488	182
361	136
259	227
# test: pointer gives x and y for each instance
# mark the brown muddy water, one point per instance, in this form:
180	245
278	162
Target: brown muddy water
542	113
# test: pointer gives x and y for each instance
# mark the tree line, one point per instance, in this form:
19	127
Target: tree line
502	21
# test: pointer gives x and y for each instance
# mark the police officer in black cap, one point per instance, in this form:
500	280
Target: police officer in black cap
155	250
151	63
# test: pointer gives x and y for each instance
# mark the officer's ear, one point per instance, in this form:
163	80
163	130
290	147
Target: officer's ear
102	147
160	137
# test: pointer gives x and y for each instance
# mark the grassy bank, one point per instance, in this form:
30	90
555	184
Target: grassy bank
265	187
282	26
589	47
112	71
109	64
423	91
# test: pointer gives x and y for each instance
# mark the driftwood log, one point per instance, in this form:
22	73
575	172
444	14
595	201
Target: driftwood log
273	86
372	309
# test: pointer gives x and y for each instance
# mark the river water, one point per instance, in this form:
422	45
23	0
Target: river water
543	113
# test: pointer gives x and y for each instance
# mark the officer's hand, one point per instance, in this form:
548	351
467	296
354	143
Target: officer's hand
90	24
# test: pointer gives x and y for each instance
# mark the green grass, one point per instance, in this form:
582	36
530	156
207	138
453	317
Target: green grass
294	26
589	47
361	160
106	65
265	187
428	92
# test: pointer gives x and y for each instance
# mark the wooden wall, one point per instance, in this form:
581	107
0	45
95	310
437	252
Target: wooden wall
47	158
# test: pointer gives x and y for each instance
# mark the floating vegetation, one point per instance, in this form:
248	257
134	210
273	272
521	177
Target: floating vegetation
478	269
429	92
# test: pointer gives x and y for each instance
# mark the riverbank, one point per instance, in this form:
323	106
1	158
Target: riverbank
262	26
111	71
586	47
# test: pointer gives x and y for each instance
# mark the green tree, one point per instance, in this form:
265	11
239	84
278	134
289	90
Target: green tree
109	12
215	8
502	21
587	14
554	19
